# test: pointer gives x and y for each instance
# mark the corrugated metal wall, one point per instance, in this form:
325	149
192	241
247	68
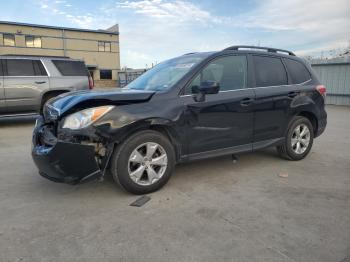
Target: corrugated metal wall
336	77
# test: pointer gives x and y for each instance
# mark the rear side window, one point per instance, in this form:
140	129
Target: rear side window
297	71
24	67
269	71
1	73
71	68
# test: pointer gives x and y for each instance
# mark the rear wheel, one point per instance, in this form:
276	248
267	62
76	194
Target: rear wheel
144	162
299	139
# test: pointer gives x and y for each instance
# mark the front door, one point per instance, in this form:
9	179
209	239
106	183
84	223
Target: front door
24	81
223	120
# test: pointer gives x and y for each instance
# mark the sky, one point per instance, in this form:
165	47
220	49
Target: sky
155	30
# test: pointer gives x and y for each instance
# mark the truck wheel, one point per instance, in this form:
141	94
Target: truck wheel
299	139
45	99
144	162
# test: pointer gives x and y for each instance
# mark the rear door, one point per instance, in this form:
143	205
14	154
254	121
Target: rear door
273	98
24	81
2	92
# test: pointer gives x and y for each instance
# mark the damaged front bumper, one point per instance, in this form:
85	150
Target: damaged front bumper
64	161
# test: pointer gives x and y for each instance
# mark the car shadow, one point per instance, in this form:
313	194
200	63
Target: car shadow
17	120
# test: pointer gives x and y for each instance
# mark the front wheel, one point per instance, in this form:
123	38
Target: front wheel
144	162
298	141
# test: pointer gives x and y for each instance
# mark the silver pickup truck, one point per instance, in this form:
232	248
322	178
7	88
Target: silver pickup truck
27	82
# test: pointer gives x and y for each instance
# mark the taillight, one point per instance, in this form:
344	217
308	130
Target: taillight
91	83
322	90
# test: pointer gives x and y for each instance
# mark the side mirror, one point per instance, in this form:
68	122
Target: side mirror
206	88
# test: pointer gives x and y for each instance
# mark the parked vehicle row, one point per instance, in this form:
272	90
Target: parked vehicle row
27	82
195	106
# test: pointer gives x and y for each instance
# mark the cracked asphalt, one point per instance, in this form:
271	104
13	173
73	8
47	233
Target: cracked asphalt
211	210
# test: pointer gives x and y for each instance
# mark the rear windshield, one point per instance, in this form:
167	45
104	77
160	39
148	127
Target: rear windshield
71	68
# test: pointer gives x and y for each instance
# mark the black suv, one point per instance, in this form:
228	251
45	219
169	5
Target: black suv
195	106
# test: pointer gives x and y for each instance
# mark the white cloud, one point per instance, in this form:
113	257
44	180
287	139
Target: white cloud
299	14
321	23
176	11
154	30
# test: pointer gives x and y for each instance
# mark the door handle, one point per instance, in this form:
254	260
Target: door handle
40	82
246	101
292	94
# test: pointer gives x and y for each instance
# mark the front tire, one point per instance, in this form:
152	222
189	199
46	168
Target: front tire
298	140
144	162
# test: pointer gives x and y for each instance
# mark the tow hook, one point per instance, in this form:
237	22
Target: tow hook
234	159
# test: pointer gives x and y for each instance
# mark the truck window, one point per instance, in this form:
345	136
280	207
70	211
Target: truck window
20	67
71	68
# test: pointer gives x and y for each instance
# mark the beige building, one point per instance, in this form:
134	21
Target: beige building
98	48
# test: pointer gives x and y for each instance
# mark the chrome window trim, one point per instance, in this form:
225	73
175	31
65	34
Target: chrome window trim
240	89
283	85
47	71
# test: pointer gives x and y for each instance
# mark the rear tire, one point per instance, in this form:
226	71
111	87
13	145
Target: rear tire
298	140
143	163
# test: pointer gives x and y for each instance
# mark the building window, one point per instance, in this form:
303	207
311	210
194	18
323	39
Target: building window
104	46
9	40
105	74
33	41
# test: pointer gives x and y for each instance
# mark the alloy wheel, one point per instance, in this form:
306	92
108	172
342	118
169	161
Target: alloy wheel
300	139
147	163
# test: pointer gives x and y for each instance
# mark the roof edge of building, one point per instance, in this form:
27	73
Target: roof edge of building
61	28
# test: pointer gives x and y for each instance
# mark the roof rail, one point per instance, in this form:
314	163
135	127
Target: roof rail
190	53
268	49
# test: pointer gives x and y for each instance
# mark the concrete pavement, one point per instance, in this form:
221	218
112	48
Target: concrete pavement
211	210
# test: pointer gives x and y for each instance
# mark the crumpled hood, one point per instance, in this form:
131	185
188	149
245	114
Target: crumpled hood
90	98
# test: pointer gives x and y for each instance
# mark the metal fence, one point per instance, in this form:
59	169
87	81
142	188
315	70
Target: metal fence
336	78
125	77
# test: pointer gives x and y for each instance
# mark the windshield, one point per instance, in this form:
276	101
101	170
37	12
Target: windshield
164	75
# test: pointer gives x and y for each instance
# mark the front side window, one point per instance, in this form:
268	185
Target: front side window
229	71
104	46
297	71
33	41
9	40
269	71
166	74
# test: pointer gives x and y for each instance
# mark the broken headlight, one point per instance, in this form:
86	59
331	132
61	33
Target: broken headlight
85	117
